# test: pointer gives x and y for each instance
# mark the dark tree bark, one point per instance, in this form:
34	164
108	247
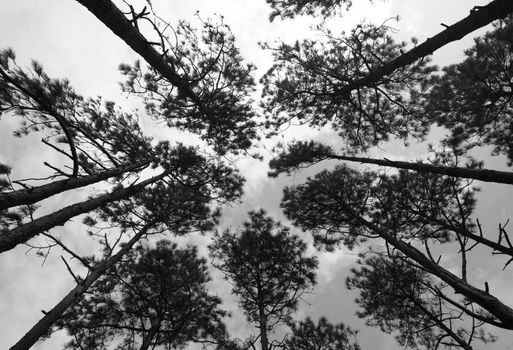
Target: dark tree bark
345	207
305	153
203	102
35	194
487	301
116	21
264	341
478	17
21	234
486	175
155	297
397	297
72	297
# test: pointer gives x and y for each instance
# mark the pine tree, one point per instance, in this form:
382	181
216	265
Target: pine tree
152	297
406	211
473	99
302	154
169	209
267	268
366	86
399	298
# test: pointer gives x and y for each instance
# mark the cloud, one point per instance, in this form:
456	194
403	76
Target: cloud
331	263
71	43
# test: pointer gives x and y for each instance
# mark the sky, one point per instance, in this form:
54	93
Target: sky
71	43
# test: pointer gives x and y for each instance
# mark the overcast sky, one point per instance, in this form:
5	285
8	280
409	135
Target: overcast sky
71	43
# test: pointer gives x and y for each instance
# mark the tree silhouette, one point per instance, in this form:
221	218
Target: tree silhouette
105	142
154	297
99	135
43	326
177	193
412	211
195	81
473	99
301	154
349	207
397	297
158	209
182	165
306	335
304	82
366	86
108	144
267	268
470	98
362	84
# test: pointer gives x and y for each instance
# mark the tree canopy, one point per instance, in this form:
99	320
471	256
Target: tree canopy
473	99
400	298
267	268
349	207
154	297
123	207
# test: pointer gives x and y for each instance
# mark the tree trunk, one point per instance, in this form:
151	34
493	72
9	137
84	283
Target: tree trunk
478	17
42	327
116	21
263	327
488	302
35	194
23	233
477	174
149	337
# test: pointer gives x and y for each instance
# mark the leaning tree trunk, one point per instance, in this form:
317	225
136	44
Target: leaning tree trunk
476	174
482	298
478	17
42	327
21	234
116	21
35	194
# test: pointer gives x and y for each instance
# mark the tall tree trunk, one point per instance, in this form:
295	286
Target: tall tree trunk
117	22
10	239
487	301
263	327
477	174
35	194
478	17
42	327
